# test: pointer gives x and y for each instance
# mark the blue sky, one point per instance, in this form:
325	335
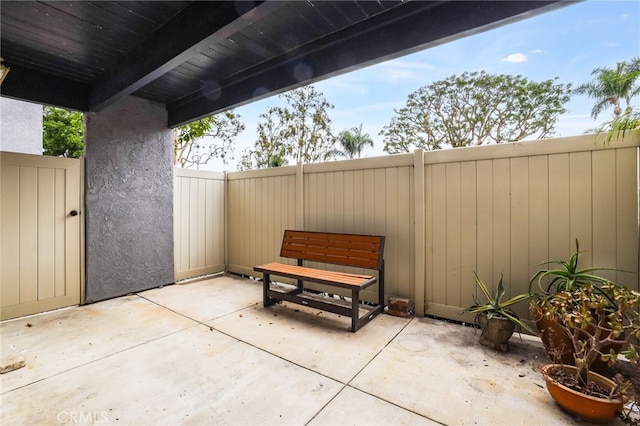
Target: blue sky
567	43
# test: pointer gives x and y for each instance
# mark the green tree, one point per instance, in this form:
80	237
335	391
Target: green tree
351	143
612	85
269	150
300	131
476	108
62	132
188	147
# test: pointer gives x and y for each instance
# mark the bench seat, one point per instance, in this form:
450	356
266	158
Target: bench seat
362	251
337	279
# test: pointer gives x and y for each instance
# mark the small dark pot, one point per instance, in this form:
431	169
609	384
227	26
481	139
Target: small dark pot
496	332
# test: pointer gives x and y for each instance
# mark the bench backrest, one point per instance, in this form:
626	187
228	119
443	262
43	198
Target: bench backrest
362	251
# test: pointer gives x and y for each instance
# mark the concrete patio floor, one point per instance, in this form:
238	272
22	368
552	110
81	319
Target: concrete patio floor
207	352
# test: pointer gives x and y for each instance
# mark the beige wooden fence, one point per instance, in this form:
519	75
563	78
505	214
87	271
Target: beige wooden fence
498	209
199	223
505	209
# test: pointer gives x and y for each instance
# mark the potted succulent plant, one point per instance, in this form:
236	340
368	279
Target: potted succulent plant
495	317
562	276
591	322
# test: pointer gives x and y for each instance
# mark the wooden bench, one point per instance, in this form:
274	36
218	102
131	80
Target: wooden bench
362	251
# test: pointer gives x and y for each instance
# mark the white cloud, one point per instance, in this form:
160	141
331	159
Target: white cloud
535	51
516	57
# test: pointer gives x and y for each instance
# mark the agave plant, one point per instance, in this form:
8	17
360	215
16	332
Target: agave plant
566	276
495	306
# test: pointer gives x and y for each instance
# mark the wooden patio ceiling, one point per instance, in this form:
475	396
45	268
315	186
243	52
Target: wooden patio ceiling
200	57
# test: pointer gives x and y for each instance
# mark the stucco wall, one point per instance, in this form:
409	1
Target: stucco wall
129	199
20	127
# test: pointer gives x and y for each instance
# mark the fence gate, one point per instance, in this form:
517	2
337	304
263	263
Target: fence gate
41	233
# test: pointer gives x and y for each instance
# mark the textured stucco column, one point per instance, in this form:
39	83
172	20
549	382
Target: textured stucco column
129	199
20	126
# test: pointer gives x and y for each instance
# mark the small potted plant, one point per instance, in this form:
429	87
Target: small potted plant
592	323
495	317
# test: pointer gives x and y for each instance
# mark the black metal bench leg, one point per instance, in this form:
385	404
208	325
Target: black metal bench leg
355	309
266	300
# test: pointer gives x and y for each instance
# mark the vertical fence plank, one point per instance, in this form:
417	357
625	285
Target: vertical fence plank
519	231
468	231
59	254
393	205
604	220
438	291
539	212
405	237
28	246
451	247
10	241
501	220
484	261
560	234
626	211
580	203
46	233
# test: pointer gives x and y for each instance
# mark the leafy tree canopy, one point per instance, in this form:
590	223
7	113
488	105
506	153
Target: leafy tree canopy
476	108
191	151
300	131
62	132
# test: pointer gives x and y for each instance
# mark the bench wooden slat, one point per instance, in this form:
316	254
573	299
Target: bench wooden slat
336	260
370	246
345	280
368	252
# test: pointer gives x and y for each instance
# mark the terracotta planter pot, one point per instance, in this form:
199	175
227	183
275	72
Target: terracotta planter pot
496	332
597	410
559	346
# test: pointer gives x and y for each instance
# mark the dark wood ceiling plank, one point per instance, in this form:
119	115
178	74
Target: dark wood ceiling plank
351	10
58	52
253	46
55	38
333	15
298	25
262	38
47	89
128	25
58	46
372	8
158	15
404	29
189	33
50	64
48	19
271	32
